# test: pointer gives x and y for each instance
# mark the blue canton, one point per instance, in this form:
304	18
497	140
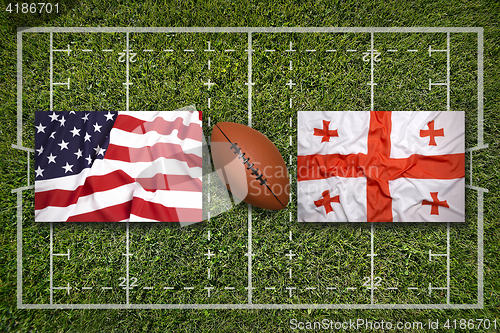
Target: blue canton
66	142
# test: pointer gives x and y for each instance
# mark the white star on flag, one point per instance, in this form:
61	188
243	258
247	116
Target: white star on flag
53	116
63	145
41	128
67	167
78	153
40	150
109	116
97	128
75	131
39	171
52	159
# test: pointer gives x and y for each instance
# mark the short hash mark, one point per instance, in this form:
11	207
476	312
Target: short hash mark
168	288
188	50
147	50
411	50
229	288
270	288
147	288
392	50
208	289
269	50
188	288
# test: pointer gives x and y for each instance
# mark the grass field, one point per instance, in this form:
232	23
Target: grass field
326	255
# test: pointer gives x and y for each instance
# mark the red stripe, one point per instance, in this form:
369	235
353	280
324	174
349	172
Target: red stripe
159	125
170	182
378	196
142	208
449	166
155	211
93	184
151	153
114	213
318	166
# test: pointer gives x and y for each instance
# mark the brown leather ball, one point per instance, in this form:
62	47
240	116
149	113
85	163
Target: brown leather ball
250	165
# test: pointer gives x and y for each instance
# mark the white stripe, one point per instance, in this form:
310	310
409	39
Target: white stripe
87	204
188	117
134	170
135	218
119	195
168	198
136	140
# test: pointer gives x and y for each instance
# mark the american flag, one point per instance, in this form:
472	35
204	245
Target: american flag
118	166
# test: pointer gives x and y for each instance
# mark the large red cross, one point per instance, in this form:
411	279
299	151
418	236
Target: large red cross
379	168
435	203
325	132
431	133
326	201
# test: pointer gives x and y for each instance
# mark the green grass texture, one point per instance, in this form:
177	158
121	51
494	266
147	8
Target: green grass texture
326	256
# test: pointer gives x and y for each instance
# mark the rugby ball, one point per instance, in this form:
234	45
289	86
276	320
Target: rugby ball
250	165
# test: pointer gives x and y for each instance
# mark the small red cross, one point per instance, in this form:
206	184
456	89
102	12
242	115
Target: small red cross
435	203
431	133
325	133
326	201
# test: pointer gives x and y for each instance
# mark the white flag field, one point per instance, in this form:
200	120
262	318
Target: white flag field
381	166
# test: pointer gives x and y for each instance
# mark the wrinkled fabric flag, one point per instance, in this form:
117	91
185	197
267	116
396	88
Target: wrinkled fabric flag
118	166
381	166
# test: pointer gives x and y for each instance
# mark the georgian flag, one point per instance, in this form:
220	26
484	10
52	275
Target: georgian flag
381	166
118	166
